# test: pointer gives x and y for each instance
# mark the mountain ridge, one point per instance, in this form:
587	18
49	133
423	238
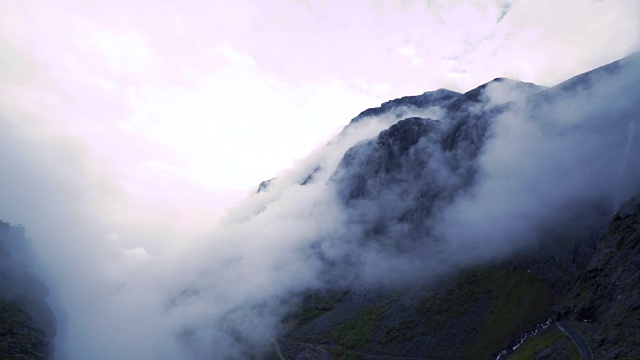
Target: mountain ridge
389	185
27	323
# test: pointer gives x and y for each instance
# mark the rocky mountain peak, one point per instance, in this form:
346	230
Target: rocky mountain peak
530	176
437	98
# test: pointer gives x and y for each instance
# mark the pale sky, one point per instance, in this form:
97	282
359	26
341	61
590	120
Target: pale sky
192	103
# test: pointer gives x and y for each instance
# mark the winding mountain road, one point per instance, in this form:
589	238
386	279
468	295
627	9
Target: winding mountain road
277	346
323	354
579	340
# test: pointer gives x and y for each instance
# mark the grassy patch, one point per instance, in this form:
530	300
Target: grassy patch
552	340
518	301
400	333
358	332
453	302
491	306
340	353
313	307
308	314
18	336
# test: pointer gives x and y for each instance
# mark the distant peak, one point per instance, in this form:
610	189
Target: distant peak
507	89
440	97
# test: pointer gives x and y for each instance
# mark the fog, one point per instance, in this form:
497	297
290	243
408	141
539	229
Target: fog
562	162
127	285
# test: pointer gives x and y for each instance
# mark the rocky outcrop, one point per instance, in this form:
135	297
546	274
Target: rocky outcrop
265	185
583	269
480	313
439	98
27	324
605	301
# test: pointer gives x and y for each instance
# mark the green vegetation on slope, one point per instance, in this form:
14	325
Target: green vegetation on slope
358	332
549	342
19	339
400	333
454	302
314	306
309	311
519	301
473	315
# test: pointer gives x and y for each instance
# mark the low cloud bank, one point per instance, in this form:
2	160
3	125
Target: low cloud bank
453	186
563	161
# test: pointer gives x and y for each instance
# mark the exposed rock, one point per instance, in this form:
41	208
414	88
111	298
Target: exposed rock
27	324
440	98
578	271
606	297
265	185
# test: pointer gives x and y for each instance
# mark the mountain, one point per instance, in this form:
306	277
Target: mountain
27	324
605	300
480	220
498	223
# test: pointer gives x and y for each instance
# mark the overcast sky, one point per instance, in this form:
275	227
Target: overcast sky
193	103
127	126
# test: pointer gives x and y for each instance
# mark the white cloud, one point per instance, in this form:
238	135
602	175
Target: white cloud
410	53
406	51
235	57
148	90
124	51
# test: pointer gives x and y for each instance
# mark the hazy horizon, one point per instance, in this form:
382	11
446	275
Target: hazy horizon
134	135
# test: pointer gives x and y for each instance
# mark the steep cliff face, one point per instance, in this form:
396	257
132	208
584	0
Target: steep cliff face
27	324
485	311
576	145
605	301
397	184
400	107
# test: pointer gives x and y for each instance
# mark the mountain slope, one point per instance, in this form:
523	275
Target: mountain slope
606	298
27	324
475	226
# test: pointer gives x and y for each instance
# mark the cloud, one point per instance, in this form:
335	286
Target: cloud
165	77
501	176
410	53
126	286
504	10
123	52
136	279
234	56
551	163
126	283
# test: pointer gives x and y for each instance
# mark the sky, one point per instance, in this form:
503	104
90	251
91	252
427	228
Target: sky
190	104
127	128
